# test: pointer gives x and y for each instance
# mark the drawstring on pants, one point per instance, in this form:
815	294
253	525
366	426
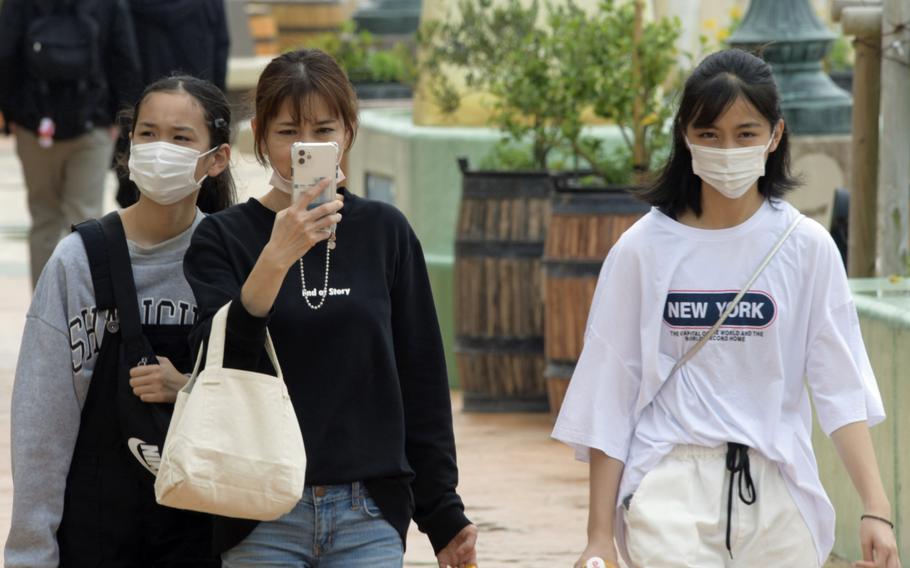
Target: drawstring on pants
738	463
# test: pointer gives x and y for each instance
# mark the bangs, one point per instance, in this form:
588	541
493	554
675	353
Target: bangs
307	101
300	87
712	99
714	96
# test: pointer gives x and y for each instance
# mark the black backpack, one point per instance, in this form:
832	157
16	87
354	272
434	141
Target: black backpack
62	48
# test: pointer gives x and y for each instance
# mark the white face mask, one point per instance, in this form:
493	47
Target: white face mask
731	171
165	172
278	181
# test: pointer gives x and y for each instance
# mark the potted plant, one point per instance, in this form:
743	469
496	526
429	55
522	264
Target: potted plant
544	73
377	72
624	70
505	52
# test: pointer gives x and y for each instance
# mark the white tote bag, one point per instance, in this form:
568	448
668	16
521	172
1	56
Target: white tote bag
234	446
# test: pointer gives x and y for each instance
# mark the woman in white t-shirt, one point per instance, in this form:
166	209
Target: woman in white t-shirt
713	465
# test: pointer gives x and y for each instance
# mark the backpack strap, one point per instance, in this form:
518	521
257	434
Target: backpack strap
121	275
98	262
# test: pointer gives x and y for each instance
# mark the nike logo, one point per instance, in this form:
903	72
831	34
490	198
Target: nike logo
147	454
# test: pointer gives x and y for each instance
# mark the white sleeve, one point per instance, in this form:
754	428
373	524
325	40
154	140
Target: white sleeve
599	408
45	423
840	377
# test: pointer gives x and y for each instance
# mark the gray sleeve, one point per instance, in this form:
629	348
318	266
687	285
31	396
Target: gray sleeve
45	424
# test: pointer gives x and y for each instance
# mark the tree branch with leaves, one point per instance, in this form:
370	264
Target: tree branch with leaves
543	73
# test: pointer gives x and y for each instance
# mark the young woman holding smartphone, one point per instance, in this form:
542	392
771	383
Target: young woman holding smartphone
713	465
355	331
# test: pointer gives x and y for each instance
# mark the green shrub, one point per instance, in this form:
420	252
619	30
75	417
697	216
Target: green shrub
544	70
841	56
363	60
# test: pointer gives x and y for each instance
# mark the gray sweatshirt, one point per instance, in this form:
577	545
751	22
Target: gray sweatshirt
60	345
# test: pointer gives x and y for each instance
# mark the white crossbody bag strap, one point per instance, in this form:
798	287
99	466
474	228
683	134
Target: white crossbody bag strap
730	306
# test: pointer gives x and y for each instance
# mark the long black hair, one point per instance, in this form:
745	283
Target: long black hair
217	192
713	87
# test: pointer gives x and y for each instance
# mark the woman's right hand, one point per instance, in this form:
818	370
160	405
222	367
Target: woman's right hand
605	550
297	229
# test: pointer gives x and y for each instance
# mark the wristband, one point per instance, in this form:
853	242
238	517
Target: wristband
877	518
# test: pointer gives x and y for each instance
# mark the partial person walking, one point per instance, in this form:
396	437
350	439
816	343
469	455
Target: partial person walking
68	67
105	349
352	318
698	434
176	37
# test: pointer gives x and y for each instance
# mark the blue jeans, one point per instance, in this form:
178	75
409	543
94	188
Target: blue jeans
333	526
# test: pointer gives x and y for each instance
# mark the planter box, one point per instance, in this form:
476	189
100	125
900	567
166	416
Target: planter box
368	91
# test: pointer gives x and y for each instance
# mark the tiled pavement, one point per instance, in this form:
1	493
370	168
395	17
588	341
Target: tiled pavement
525	493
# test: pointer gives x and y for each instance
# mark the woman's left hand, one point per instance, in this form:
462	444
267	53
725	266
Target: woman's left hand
157	383
460	552
879	545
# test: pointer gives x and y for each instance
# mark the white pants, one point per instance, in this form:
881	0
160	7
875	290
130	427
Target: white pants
678	516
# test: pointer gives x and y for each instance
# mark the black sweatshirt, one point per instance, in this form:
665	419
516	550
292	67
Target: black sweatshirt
366	372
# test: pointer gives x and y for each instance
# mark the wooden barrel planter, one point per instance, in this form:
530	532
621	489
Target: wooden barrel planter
498	290
584	223
299	21
263	30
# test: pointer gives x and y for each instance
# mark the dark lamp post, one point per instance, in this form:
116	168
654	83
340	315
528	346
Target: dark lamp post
794	41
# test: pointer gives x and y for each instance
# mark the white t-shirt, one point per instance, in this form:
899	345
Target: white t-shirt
661	287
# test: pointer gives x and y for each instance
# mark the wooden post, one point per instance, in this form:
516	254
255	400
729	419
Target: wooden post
864	23
894	175
838	6
639	161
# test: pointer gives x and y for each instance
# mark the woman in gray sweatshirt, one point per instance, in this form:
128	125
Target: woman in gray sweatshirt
77	501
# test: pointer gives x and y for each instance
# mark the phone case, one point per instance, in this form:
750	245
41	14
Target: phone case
311	162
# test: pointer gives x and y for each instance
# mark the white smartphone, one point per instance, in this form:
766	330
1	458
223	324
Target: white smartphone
312	162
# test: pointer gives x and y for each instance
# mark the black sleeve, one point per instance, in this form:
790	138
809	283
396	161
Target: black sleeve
216	280
12	28
222	46
429	440
122	68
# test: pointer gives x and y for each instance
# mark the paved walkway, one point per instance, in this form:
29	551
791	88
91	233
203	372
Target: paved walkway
525	492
